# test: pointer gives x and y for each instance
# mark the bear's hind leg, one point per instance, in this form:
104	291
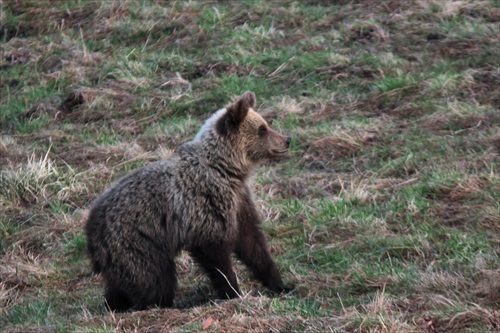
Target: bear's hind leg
116	299
151	284
161	291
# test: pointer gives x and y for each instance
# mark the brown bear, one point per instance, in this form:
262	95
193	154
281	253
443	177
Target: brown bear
198	200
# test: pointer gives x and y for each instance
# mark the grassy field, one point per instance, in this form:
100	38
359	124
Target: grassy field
386	218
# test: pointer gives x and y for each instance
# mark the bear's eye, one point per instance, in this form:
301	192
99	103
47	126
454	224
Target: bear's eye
262	130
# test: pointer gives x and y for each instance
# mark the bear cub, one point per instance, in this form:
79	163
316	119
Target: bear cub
198	200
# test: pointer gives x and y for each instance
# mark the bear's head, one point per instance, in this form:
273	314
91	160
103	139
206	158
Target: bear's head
248	132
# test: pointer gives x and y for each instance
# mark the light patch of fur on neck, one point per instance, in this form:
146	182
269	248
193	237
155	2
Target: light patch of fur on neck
209	125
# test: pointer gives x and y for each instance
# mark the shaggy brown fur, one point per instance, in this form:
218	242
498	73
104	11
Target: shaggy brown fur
198	200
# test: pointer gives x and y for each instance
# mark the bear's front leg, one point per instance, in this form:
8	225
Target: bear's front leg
251	248
216	261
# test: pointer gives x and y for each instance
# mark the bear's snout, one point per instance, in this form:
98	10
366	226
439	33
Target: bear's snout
279	145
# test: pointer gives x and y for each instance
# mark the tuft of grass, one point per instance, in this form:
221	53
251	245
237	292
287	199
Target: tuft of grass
400	82
32	312
40	182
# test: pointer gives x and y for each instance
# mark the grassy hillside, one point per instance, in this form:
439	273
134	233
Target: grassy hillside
386	218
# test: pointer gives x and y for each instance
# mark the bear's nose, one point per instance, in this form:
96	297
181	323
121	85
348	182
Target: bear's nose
288	141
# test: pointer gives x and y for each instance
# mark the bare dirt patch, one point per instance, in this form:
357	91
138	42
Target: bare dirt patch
324	152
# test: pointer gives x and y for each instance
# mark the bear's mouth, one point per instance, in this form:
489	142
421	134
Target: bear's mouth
279	152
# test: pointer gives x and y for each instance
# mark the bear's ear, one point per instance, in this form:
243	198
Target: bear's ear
235	113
